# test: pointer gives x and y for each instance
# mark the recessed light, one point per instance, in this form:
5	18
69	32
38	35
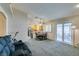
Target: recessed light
77	6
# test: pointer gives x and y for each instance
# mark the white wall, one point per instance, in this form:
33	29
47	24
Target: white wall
19	23
75	22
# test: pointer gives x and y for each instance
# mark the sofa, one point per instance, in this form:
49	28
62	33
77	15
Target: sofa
8	48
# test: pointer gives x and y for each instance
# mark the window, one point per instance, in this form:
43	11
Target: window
47	28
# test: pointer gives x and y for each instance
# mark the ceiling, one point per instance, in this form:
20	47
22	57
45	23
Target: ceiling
46	10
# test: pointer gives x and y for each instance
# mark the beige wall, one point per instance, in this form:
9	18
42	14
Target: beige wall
52	34
75	22
76	37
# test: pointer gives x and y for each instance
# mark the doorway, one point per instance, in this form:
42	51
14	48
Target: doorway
2	24
64	33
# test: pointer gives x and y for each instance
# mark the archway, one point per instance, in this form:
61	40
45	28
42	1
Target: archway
2	24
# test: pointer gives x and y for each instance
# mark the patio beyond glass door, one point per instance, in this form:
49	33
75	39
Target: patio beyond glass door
67	33
59	32
64	33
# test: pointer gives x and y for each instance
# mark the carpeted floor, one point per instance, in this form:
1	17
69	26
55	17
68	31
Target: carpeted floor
51	48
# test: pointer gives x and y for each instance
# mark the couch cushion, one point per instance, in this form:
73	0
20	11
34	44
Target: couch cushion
4	49
1	48
7	50
4	53
9	43
7	38
2	41
11	47
6	46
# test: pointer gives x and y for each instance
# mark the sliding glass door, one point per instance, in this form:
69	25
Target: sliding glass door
67	33
59	32
64	33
